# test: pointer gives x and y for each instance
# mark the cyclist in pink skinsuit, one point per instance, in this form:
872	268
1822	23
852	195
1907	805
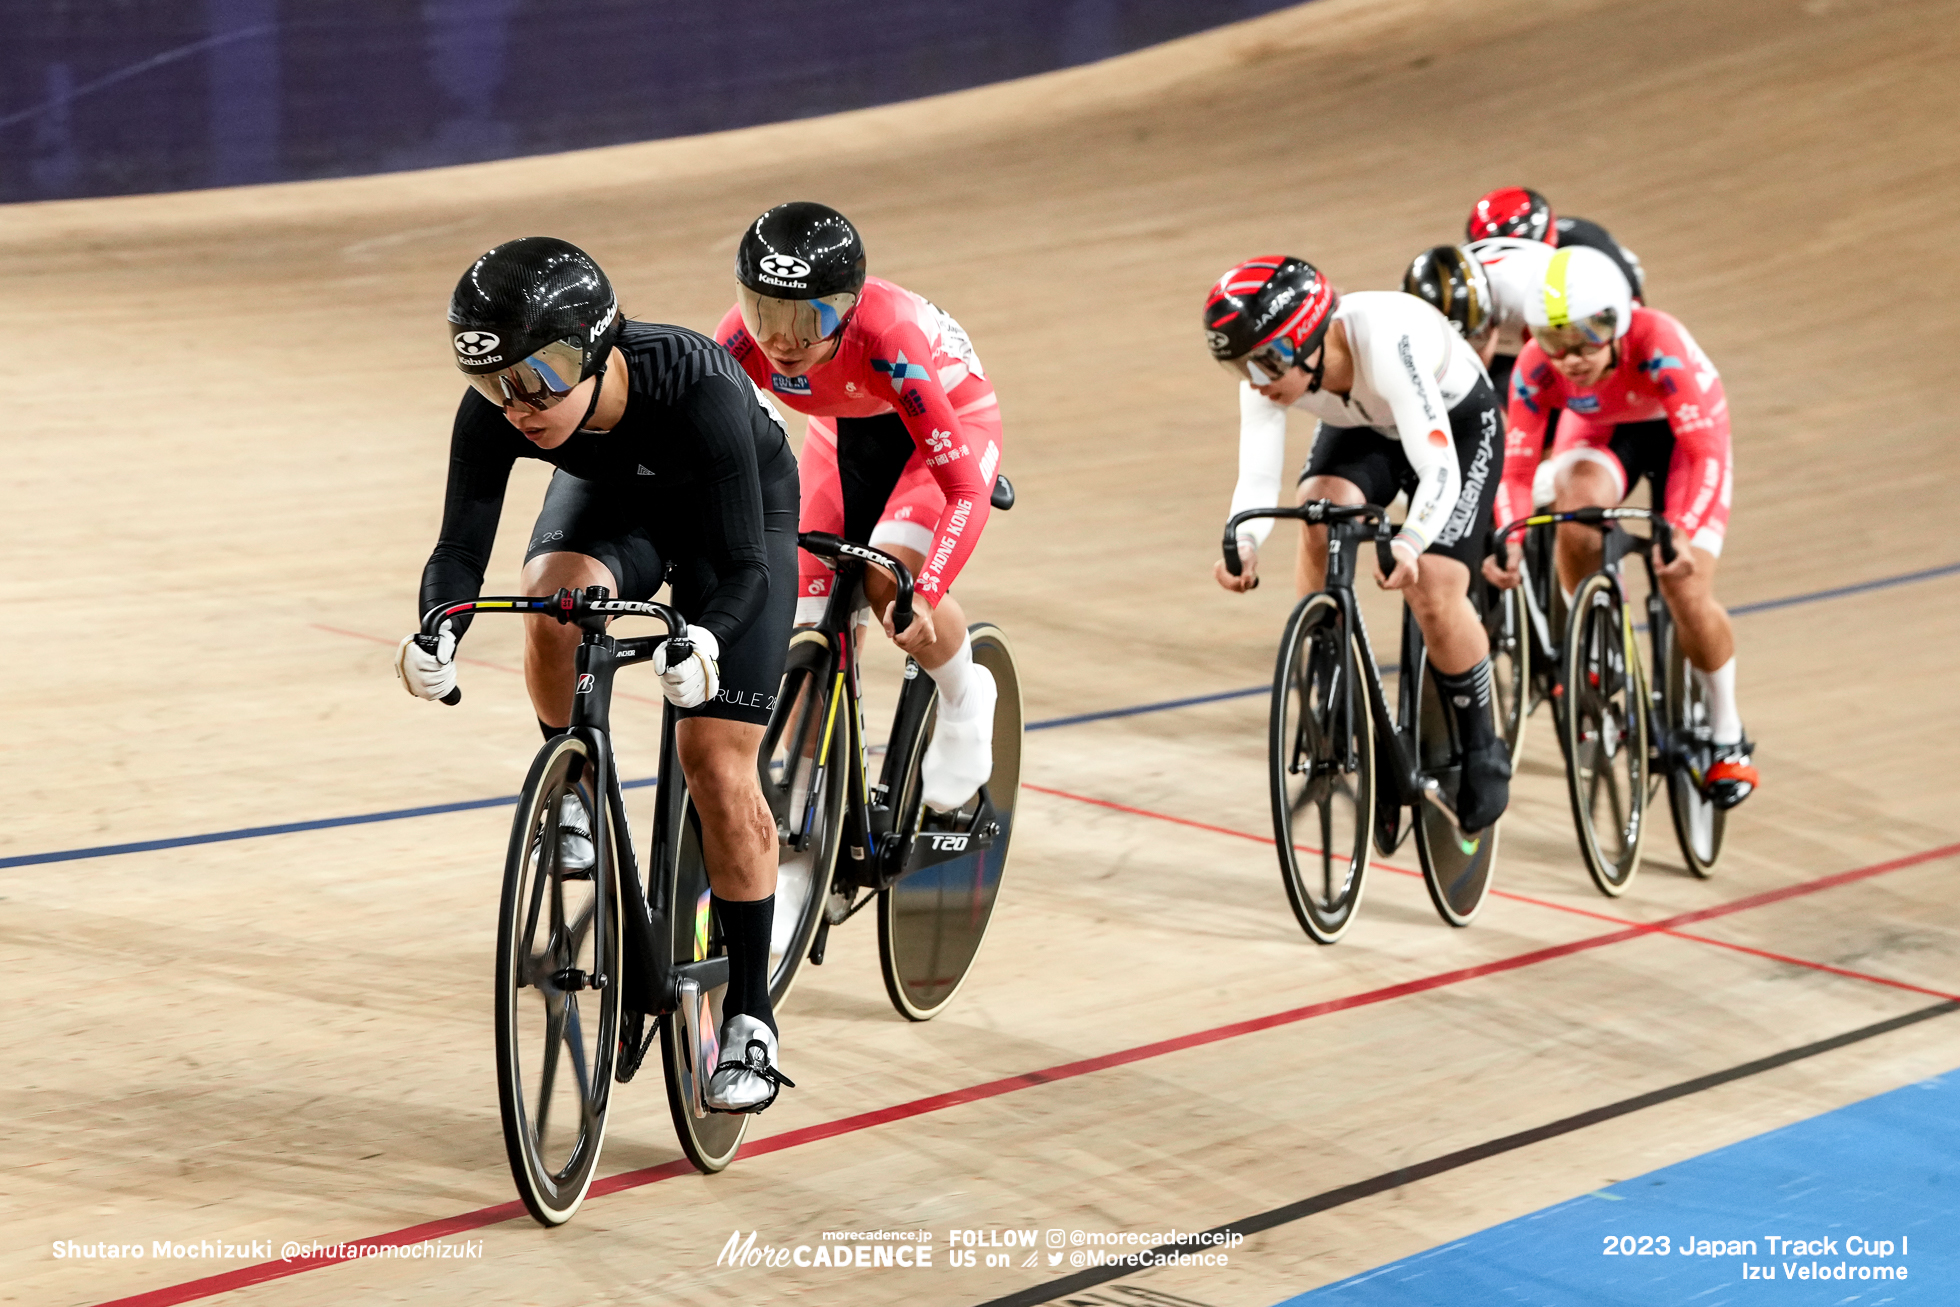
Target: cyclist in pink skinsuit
903	444
1640	399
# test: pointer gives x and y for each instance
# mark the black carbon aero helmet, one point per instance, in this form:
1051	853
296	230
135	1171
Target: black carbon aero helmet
1452	280
531	319
1268	314
801	267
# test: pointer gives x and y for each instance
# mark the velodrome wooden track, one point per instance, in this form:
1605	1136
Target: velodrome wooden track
225	429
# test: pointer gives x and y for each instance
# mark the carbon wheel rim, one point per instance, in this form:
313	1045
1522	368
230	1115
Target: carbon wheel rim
1321	771
557	1034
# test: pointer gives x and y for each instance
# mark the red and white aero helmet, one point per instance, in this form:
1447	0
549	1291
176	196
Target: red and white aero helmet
1266	315
1513	211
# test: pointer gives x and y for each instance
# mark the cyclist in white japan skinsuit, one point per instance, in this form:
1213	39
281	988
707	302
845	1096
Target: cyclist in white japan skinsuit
1404	405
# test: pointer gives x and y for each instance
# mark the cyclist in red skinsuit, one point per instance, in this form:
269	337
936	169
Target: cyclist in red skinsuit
903	445
1637	400
897	355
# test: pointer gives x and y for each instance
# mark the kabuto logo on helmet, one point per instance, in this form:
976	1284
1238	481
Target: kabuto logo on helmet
475	344
784	265
612	311
1218	340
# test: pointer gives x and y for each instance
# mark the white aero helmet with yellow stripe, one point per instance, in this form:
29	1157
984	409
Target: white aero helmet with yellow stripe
1583	300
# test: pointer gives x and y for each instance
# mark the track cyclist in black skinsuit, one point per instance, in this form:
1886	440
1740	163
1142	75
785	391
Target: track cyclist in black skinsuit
671	467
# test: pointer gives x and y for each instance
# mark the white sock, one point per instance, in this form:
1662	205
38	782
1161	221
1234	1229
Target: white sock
954	677
1718	688
1568	597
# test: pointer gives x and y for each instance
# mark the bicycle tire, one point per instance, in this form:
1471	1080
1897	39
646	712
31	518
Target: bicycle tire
1604	733
1320	728
796	756
1457	869
1698	824
932	920
710	1140
554	928
1507	625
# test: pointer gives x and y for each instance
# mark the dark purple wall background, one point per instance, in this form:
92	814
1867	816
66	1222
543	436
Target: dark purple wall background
109	97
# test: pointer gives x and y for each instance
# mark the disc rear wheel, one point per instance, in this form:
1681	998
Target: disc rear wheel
933	918
1457	867
690	1041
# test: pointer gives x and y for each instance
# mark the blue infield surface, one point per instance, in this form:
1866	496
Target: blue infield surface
1857	1207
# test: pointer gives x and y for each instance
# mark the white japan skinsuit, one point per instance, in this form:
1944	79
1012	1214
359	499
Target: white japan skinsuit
1410	369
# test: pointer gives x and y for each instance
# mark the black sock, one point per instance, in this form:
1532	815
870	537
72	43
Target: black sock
551	732
746	928
1468	695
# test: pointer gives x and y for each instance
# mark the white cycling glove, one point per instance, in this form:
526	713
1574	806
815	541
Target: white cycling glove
428	675
694	679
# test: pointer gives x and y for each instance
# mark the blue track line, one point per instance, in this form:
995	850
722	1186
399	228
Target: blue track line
467	805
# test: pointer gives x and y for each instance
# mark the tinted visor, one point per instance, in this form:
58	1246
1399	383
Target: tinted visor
1265	365
804	321
538	382
1595	332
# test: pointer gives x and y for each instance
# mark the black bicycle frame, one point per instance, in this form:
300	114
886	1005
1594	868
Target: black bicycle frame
652	980
1347	527
1616	543
879	853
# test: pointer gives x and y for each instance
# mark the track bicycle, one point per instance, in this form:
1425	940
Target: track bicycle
1344	772
596	962
1624	736
933	877
1523	625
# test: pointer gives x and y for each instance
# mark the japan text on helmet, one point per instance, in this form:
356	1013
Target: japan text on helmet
1582	302
1513	211
531	319
1451	279
1266	315
801	266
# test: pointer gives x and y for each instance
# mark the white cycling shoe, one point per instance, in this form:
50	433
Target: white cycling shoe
574	835
961	755
746	1079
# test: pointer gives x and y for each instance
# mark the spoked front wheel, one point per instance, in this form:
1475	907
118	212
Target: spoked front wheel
933	918
1457	867
1604	729
558	986
1321	765
804	788
1698	824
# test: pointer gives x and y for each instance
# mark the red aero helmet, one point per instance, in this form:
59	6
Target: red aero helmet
1513	211
1267	313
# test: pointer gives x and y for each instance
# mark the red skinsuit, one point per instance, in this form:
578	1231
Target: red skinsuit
1662	373
899	353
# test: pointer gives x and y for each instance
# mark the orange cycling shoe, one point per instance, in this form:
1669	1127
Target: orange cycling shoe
1731	778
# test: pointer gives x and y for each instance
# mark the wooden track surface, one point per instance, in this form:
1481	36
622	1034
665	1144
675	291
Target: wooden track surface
227	423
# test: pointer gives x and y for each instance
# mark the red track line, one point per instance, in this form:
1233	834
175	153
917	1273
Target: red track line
1656	927
240	1278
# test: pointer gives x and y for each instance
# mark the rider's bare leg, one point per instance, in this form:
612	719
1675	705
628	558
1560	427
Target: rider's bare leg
1310	572
1440	599
948	618
550	645
1707	637
1582	483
